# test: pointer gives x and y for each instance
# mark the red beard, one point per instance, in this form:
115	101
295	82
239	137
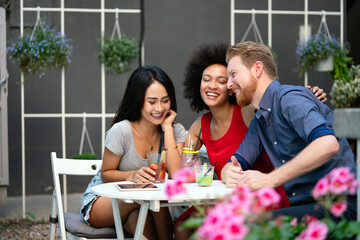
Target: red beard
246	94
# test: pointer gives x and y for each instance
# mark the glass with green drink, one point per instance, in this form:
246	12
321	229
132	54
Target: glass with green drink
204	175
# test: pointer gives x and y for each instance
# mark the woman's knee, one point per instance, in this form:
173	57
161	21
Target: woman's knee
101	213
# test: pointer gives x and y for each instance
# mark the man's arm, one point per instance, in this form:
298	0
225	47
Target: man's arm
250	148
313	156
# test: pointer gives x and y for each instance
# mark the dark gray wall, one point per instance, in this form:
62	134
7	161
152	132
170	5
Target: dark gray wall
173	29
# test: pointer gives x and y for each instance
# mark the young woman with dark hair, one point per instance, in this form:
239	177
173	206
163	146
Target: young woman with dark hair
134	95
147	108
225	125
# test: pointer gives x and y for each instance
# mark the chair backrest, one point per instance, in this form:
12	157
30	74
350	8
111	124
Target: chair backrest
62	166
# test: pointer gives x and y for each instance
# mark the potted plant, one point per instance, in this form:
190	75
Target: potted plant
86	156
319	48
117	53
346	99
40	51
242	215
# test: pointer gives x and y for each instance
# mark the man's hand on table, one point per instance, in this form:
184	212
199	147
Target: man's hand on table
233	173
235	177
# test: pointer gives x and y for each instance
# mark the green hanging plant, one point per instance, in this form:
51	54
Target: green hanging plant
117	54
40	51
319	47
87	156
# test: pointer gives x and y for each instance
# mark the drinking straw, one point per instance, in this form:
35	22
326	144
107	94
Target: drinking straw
160	146
210	169
197	141
189	142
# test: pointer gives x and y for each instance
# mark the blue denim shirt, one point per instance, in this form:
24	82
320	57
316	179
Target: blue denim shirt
282	126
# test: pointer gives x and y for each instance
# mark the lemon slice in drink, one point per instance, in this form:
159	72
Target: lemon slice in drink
163	156
205	167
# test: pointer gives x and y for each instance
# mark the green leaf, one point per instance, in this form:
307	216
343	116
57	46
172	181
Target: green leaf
192	222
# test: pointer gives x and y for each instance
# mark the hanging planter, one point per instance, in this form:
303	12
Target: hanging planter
81	155
255	29
117	53
322	52
257	36
40	51
325	65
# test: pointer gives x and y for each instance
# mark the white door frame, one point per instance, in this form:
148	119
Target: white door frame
4	149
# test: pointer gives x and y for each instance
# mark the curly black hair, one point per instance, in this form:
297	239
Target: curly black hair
201	58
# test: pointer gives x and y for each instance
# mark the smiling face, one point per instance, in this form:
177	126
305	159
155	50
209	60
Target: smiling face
213	88
157	103
241	81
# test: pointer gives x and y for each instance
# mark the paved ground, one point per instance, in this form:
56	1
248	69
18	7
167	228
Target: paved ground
38	206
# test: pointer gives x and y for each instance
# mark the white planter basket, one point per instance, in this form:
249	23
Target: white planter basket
325	65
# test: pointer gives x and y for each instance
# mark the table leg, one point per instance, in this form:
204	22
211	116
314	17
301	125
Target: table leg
144	207
117	219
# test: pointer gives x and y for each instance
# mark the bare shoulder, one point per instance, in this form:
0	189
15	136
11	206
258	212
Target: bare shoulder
195	126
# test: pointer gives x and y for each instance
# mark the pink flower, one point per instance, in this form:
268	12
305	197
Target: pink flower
339	178
173	188
241	199
222	222
302	236
308	219
237	230
267	197
264	199
315	231
338	181
338	187
185	175
338	208
176	186
293	222
342	174
321	188
353	185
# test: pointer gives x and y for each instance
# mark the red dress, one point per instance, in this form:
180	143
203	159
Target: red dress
221	150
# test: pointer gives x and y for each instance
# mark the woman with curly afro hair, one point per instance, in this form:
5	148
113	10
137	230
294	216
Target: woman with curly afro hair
223	127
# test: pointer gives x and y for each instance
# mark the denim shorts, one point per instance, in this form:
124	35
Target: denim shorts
89	197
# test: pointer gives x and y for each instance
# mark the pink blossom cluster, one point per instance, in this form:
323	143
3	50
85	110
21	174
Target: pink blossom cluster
179	178
338	181
316	230
231	214
232	217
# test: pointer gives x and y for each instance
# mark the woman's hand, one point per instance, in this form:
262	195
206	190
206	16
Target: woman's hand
319	93
168	120
143	175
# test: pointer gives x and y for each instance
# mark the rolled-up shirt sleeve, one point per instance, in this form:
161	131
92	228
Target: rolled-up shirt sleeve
302	119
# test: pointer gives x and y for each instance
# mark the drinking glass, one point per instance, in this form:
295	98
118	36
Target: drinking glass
204	175
156	162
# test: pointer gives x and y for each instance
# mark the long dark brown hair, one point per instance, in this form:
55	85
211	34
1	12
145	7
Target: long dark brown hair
134	97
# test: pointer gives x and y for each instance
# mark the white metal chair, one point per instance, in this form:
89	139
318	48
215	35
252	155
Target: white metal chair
68	221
